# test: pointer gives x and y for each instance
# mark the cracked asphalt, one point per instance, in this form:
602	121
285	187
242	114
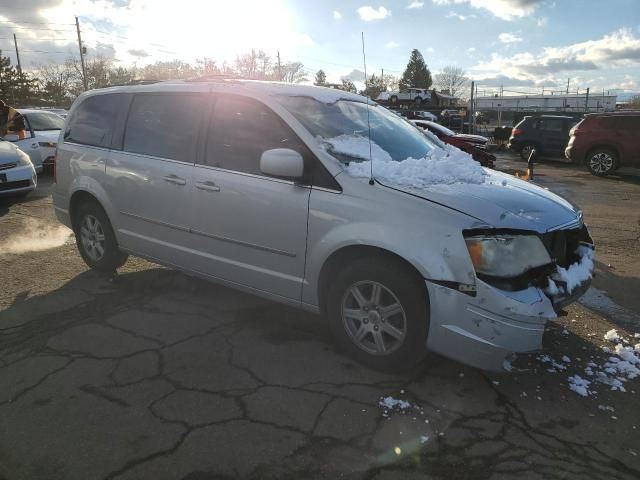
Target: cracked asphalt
162	376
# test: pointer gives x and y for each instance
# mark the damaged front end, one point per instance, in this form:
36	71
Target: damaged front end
523	280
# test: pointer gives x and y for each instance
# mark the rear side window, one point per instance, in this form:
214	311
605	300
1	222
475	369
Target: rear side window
93	121
551	124
623	123
164	125
241	130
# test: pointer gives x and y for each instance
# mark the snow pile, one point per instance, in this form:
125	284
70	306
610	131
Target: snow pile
612	335
438	167
390	403
579	385
576	274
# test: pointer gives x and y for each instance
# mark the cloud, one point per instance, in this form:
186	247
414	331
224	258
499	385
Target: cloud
504	9
542	22
337	15
509	38
471	49
355	76
392	44
430	49
415	4
368	13
456	15
503	80
618	49
138	52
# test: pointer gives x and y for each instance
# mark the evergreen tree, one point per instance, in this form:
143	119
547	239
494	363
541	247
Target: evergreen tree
416	75
374	87
321	78
349	86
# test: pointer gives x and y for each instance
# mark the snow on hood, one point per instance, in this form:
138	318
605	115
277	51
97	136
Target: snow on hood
440	166
452	178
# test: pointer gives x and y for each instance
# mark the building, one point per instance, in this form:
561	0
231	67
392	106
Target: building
595	102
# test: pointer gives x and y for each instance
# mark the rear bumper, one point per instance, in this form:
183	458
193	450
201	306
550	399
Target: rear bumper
487	330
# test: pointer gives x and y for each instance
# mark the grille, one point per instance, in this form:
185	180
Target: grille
12	185
563	244
6	166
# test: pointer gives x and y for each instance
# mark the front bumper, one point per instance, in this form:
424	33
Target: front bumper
486	331
18	180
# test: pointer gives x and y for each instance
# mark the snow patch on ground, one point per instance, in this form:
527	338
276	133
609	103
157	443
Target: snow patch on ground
447	167
579	385
612	335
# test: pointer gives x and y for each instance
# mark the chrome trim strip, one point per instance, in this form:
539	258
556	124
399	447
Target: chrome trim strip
157	222
253	175
328	190
244	244
209	235
576	223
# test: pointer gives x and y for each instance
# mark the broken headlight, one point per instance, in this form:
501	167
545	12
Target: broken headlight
506	256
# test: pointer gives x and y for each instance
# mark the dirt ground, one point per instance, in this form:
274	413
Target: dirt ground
163	376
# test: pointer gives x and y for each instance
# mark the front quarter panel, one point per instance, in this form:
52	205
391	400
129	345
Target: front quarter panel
425	234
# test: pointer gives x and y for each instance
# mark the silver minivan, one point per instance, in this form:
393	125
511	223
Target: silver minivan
325	201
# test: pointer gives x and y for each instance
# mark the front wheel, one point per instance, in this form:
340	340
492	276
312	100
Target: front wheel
601	162
393	99
418	101
378	313
95	239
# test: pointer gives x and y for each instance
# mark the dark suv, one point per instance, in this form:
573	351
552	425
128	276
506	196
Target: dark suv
606	141
547	134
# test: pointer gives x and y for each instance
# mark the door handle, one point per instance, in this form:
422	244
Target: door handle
175	179
210	186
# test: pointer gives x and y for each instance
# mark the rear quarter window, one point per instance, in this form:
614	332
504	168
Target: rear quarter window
94	120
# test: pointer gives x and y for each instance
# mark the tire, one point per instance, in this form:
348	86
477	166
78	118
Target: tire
525	151
602	161
402	333
418	101
393	99
95	238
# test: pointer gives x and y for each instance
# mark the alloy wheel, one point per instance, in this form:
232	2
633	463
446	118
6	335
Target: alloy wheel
601	162
92	237
374	318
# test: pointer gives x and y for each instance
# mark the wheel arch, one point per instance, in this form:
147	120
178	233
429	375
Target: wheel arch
349	253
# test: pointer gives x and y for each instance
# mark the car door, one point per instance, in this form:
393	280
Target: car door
249	229
554	135
404	94
150	177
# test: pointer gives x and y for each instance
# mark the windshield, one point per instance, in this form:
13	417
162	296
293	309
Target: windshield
442	129
44	121
347	120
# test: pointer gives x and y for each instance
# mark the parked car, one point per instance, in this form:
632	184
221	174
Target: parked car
265	187
422	115
605	142
414	95
43	129
17	174
547	134
474	145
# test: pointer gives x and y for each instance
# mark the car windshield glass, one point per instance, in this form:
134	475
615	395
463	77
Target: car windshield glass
442	129
347	120
44	121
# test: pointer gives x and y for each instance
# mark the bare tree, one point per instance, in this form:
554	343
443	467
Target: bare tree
293	72
452	79
56	82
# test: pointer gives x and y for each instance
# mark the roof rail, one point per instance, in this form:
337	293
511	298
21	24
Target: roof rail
134	82
213	77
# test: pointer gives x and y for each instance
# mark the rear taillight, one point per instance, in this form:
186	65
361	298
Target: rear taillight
515	132
55	167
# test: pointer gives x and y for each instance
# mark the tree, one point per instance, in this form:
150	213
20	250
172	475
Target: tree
391	82
416	74
56	82
634	101
293	72
349	86
16	88
321	78
374	86
452	79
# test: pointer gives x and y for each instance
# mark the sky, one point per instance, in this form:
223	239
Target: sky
522	45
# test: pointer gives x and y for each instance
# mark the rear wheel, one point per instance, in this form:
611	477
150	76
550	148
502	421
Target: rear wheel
393	99
418	100
377	311
526	150
95	239
602	161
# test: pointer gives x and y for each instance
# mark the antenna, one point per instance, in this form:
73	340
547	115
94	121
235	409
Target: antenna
364	60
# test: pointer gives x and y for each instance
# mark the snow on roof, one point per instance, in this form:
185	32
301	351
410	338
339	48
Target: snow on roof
322	94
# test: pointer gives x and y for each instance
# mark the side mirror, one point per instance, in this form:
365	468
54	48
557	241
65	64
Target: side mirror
283	163
11	137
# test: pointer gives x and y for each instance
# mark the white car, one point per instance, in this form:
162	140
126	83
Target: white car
43	129
426	116
17	174
415	95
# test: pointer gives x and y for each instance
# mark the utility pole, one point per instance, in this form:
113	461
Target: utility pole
586	101
15	42
84	71
279	70
471	107
382	77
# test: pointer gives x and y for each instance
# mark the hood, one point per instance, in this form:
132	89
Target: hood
503	201
472	138
8	153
